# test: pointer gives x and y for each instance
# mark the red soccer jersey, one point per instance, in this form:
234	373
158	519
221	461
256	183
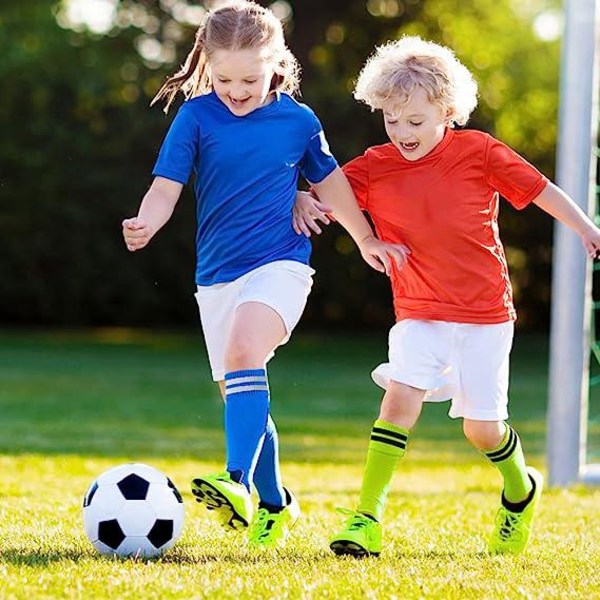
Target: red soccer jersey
444	207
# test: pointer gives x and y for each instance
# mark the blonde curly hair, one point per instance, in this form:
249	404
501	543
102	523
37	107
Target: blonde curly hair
397	69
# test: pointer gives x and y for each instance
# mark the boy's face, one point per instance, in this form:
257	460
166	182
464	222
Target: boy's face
415	128
241	79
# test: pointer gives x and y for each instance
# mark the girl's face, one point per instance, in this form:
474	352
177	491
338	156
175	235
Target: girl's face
241	79
415	128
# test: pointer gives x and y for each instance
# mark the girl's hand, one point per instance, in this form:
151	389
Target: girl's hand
136	233
307	212
379	254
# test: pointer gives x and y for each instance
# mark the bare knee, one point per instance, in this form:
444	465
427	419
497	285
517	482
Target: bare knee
484	435
256	331
241	353
402	405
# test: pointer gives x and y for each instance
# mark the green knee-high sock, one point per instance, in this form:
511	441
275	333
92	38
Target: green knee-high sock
509	460
387	446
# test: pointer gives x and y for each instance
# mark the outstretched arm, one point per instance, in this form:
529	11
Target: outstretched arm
155	210
560	205
335	192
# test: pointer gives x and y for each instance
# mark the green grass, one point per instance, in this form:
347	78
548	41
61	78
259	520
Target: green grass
74	405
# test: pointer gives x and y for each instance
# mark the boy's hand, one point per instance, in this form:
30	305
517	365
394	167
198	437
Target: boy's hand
136	233
307	212
591	241
379	254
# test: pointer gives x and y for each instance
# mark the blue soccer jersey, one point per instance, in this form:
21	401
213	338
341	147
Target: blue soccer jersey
246	172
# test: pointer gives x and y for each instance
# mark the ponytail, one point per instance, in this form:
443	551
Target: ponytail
192	79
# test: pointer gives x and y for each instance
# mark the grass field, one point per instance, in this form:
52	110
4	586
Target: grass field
73	405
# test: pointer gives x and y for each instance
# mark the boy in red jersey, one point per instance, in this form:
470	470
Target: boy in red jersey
437	190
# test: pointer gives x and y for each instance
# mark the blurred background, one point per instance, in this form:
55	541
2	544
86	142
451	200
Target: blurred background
79	141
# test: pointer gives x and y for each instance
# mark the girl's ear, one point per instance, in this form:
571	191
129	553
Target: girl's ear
276	82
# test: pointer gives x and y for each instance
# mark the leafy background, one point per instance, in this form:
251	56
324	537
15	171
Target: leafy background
79	141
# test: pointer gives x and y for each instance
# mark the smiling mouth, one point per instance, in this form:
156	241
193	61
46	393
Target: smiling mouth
236	102
409	146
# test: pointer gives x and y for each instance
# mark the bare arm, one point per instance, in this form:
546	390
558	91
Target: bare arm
155	210
558	204
336	192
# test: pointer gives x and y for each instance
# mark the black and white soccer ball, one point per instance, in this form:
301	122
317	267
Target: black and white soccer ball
133	510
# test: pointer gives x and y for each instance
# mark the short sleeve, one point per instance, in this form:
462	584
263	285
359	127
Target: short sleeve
317	162
179	149
511	175
357	172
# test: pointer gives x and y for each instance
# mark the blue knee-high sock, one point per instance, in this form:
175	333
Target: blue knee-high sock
267	476
246	412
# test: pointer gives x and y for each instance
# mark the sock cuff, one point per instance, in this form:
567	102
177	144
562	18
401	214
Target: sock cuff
388	437
248	380
506	448
246	373
381	424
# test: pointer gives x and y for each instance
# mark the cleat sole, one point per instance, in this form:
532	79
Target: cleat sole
346	548
208	495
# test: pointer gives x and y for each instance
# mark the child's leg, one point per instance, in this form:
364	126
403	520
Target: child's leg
400	410
502	446
278	509
252	443
243	323
267	475
256	331
522	485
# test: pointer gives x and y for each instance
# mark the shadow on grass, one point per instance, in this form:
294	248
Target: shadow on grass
245	557
438	554
42	558
45	558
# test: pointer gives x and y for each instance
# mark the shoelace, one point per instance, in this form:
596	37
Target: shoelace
511	525
263	524
357	520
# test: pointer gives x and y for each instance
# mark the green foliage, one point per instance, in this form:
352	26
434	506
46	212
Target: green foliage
76	162
80	140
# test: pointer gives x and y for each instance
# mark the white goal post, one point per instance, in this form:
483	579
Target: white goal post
572	272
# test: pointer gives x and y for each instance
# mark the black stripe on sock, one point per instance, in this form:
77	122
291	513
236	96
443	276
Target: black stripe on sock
507	451
393	434
495	453
383	440
509	441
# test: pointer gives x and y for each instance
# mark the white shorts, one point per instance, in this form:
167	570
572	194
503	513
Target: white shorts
282	285
460	361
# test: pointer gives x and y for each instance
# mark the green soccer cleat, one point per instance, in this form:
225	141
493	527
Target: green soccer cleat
360	537
270	530
512	529
229	499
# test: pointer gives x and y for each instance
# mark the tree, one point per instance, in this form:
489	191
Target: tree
80	140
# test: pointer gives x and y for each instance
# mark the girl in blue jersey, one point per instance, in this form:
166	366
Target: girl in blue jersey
247	140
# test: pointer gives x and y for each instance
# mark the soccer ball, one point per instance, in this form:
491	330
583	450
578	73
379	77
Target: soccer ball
132	509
